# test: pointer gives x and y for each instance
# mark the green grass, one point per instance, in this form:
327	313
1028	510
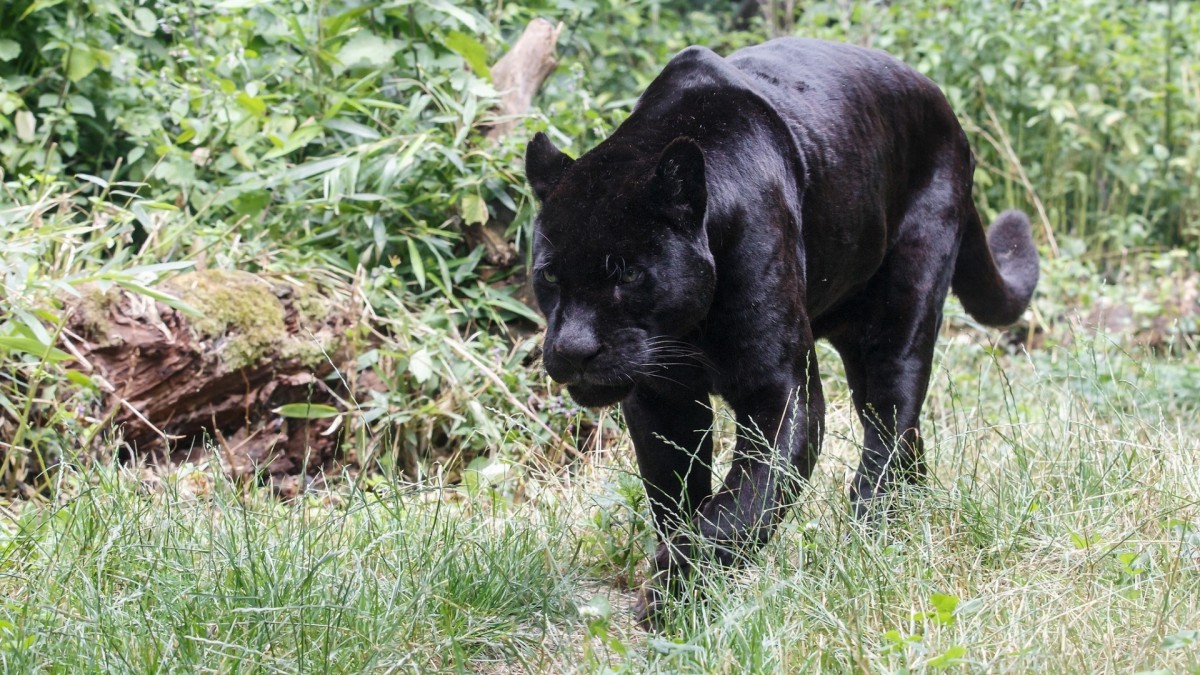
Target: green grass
1060	533
194	576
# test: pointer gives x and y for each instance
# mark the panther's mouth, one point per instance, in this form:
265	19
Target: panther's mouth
593	395
592	387
608	376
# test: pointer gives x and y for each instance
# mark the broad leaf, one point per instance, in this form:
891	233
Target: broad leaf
81	61
471	50
307	411
367	50
474	209
31	346
420	364
9	50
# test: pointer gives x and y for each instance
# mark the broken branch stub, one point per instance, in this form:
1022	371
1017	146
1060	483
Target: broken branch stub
519	74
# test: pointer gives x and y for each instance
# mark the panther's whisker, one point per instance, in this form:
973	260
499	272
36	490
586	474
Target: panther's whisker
663	377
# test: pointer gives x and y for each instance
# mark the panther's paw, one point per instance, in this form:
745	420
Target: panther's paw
650	607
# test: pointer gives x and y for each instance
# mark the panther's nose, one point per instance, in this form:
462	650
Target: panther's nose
577	350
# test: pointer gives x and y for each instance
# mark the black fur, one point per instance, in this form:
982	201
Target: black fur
750	205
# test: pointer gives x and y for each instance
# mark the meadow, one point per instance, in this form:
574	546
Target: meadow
475	519
1060	534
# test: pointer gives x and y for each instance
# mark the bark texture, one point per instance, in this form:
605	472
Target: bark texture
179	383
519	74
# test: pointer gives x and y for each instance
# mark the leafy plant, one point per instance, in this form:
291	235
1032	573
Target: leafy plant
1082	112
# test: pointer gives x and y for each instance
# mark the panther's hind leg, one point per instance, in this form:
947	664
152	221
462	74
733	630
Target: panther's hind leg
888	388
887	345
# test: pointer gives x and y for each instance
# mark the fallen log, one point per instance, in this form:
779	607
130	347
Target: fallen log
180	384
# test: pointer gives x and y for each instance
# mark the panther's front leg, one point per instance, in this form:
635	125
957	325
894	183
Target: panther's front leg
671	431
779	437
671	427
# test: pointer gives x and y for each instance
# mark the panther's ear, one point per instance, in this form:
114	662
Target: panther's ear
544	165
679	181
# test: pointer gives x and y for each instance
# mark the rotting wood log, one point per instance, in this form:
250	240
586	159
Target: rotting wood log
178	385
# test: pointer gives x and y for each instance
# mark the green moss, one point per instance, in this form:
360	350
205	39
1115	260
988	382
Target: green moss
236	306
316	341
92	309
311	305
306	351
244	311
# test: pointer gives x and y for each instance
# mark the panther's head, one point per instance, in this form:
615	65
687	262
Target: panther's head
621	262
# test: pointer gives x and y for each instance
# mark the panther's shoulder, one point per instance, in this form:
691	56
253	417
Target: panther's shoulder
694	70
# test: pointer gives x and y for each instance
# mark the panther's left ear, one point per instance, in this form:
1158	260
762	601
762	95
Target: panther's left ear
679	181
544	165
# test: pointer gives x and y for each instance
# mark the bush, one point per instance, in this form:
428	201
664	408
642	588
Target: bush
1086	106
343	136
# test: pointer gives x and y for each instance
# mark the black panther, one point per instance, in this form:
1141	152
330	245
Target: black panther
749	205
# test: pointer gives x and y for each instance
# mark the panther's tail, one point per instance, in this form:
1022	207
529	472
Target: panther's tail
994	277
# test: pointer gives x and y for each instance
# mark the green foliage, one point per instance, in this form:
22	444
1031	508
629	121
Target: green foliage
620	535
1089	107
347	127
342	128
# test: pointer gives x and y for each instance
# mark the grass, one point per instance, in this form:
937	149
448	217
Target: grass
198	576
1060	533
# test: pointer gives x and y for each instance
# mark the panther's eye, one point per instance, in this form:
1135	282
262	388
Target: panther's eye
548	276
630	275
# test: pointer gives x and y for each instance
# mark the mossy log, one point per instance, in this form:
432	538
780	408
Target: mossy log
179	384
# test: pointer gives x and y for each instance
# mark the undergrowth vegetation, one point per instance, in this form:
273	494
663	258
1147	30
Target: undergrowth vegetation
343	140
1060	533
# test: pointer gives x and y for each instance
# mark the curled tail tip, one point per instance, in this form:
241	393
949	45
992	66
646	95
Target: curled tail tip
996	282
1013	215
1010	239
1011	231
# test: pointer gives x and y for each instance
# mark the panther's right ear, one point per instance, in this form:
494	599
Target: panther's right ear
544	165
